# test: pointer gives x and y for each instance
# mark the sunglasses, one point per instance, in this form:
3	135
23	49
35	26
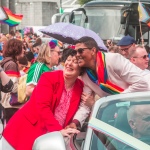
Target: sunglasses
80	50
144	57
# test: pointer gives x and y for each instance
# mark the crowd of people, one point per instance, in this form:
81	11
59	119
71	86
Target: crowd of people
61	84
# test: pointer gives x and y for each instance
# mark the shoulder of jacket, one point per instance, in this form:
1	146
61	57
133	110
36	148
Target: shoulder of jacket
53	74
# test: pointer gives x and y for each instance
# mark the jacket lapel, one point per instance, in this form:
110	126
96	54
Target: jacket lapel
75	101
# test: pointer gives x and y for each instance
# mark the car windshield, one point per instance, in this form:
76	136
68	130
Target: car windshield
131	117
104	21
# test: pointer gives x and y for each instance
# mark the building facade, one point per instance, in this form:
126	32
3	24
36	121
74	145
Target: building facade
35	12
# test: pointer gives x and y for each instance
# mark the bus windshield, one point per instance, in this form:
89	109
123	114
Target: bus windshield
105	21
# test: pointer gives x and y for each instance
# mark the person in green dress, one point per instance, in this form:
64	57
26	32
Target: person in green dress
48	57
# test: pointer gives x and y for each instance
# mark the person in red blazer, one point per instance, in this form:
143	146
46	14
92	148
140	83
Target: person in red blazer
51	107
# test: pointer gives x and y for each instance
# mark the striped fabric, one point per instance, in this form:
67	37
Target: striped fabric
13	19
36	71
144	14
101	76
13	73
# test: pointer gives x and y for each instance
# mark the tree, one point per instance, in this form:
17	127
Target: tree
83	1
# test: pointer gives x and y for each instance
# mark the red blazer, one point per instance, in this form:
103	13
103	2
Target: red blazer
36	118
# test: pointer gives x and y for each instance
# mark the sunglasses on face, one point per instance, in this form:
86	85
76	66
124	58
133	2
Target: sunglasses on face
144	57
80	50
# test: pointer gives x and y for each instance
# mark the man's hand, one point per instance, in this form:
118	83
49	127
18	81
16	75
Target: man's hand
71	125
88	99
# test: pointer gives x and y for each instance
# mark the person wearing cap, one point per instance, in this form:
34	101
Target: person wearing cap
125	44
47	58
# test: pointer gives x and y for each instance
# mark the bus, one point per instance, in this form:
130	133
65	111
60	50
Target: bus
111	19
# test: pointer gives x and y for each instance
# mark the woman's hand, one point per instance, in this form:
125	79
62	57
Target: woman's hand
71	125
68	132
88	99
29	89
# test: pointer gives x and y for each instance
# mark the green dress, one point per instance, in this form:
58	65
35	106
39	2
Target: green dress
35	72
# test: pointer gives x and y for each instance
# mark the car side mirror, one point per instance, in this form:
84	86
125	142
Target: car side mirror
53	140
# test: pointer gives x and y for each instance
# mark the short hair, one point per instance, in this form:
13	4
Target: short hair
88	41
30	56
131	112
70	52
12	33
23	60
44	54
67	52
132	50
35	35
38	42
114	48
12	48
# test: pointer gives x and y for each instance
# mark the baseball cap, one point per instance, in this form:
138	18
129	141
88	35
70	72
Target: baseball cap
126	40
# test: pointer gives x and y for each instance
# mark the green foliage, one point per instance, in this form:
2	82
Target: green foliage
81	2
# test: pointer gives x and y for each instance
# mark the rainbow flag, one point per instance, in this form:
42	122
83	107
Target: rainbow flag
13	19
101	76
144	14
3	15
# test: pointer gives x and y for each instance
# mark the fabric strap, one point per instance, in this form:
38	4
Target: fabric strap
101	76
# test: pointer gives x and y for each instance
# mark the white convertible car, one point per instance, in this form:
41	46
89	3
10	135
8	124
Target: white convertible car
109	127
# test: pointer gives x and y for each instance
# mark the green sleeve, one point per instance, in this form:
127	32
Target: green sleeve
34	73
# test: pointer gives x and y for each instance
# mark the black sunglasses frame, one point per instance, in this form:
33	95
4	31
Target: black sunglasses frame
80	50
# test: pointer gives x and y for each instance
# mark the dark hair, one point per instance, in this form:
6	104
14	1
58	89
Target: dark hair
35	35
30	56
23	60
88	42
12	33
38	42
67	52
12	48
70	52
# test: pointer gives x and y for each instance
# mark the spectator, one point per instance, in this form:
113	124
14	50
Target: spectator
30	58
125	44
139	56
48	57
12	50
114	49
35	36
109	43
22	63
18	35
36	47
12	35
6	84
